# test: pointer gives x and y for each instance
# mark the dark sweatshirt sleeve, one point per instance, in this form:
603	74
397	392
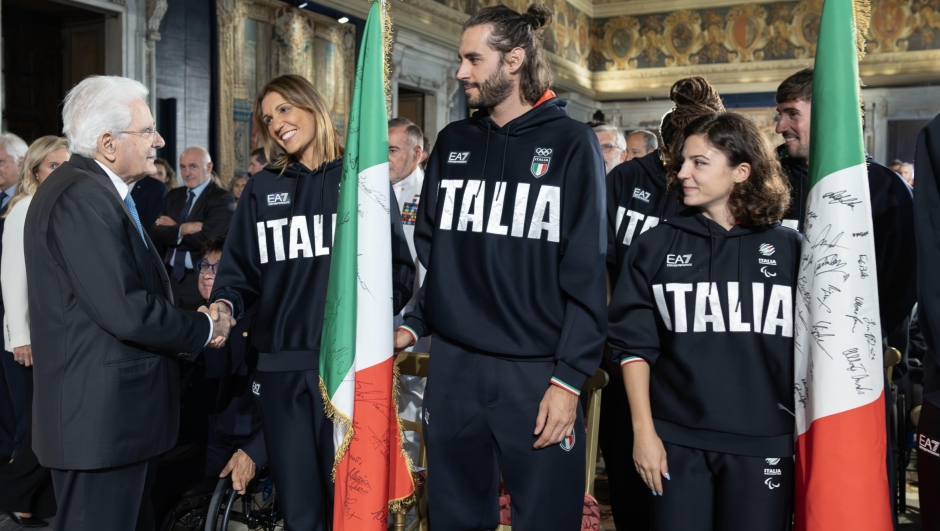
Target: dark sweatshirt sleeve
403	266
927	232
893	219
614	178
423	235
634	332
239	277
582	268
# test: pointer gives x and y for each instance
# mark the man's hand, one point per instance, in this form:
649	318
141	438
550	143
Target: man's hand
191	227
243	471
403	340
222	323
165	221
24	353
556	417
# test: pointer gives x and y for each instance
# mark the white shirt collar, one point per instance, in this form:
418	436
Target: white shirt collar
118	183
402	184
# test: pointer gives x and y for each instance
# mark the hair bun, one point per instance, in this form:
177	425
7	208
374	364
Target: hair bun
538	16
694	97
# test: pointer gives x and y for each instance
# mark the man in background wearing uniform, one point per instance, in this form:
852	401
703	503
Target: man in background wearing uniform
512	231
405	153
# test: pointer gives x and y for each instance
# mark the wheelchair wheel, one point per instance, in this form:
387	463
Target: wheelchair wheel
256	510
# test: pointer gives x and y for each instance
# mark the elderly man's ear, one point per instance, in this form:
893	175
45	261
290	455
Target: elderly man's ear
107	146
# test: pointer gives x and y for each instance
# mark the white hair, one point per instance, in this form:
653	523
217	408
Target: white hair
97	105
15	146
620	141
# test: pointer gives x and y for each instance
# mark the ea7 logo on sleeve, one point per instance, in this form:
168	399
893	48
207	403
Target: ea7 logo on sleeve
678	260
642	195
928	445
279	199
458	157
540	162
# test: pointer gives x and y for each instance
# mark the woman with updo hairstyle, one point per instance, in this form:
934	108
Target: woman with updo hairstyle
25	486
638	200
701	323
277	257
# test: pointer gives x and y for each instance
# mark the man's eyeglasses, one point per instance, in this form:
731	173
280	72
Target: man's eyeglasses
150	132
607	147
202	266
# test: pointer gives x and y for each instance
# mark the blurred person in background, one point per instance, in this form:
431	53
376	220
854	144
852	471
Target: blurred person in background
26	492
165	173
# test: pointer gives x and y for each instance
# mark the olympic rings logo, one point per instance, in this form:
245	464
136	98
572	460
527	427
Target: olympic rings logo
543	152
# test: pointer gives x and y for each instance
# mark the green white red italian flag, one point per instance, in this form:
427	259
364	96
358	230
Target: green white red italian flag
371	472
841	450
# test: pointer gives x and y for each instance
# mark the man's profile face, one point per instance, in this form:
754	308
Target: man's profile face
636	147
9	170
482	71
793	119
403	157
194	167
254	166
136	149
613	155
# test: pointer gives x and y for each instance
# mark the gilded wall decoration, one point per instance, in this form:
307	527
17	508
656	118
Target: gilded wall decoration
746	32
750	33
262	39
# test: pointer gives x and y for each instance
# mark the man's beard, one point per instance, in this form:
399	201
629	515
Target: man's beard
493	91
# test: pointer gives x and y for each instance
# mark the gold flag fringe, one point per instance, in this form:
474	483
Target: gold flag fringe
341	420
862	11
387	53
399	504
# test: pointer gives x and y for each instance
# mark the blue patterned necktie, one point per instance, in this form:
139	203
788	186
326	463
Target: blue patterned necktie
129	201
179	261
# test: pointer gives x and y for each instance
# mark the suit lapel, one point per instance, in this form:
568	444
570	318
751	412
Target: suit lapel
99	175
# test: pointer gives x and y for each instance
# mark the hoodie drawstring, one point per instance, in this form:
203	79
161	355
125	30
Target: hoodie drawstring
711	253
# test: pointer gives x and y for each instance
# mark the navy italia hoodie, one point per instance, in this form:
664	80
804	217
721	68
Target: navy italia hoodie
637	200
513	235
278	252
711	311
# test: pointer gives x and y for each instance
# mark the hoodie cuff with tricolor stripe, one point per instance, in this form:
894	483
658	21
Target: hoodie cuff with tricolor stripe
568	378
631	359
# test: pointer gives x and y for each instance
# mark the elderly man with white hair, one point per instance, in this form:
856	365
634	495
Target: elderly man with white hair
105	332
613	144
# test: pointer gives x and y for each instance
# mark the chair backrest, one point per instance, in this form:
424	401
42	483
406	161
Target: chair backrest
414	364
592	388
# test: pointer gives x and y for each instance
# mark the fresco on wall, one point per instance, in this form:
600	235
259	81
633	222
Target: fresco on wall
736	34
748	33
568	36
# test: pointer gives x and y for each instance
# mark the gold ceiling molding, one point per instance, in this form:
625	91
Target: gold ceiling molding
615	8
876	69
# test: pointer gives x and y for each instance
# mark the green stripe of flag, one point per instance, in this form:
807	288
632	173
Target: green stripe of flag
364	149
835	97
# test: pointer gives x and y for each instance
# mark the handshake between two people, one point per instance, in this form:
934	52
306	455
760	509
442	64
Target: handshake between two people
222	323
